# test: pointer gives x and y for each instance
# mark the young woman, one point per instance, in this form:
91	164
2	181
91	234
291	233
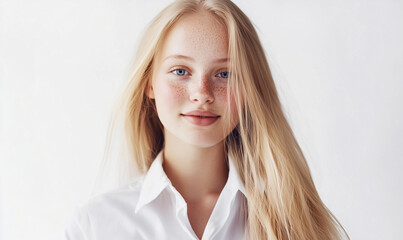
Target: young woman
206	127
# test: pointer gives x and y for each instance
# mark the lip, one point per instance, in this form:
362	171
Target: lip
200	118
200	113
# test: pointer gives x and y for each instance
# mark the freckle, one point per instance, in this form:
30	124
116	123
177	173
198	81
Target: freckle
221	92
179	91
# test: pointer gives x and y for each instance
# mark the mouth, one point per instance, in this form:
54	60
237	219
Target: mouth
200	120
200	113
200	116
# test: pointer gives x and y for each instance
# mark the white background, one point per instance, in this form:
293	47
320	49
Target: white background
338	66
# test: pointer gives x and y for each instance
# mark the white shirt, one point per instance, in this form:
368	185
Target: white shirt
151	208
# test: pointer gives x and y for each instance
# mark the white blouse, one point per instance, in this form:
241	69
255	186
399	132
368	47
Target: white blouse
151	208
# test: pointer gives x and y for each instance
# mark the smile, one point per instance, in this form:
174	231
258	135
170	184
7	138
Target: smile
200	120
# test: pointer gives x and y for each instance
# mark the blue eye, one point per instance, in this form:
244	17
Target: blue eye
180	72
223	74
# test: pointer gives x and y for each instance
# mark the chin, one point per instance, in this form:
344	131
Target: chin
200	139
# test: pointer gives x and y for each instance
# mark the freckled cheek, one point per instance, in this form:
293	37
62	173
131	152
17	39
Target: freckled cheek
221	94
171	95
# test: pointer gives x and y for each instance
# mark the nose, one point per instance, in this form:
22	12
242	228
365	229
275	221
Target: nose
201	91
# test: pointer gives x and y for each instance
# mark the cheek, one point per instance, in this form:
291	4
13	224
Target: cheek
221	94
170	95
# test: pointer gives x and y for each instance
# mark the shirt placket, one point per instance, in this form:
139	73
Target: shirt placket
219	215
181	214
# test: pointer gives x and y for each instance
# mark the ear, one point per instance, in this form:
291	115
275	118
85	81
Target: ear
150	91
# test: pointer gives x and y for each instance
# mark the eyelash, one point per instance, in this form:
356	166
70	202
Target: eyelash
188	72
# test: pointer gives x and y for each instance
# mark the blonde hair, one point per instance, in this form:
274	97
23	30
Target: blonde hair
282	201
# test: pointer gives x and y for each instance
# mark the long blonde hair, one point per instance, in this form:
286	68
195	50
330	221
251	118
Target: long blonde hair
282	201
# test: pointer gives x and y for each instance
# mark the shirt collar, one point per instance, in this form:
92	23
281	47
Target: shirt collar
155	181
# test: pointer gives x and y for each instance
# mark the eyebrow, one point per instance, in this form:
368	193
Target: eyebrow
178	56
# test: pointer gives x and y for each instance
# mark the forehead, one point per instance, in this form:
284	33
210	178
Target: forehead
198	34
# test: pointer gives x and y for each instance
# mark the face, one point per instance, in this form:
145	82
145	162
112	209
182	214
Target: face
189	82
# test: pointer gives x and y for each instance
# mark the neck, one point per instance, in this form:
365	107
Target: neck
195	172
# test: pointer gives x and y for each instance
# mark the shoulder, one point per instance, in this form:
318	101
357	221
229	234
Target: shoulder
105	209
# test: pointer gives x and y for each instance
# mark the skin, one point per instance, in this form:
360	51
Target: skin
194	157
